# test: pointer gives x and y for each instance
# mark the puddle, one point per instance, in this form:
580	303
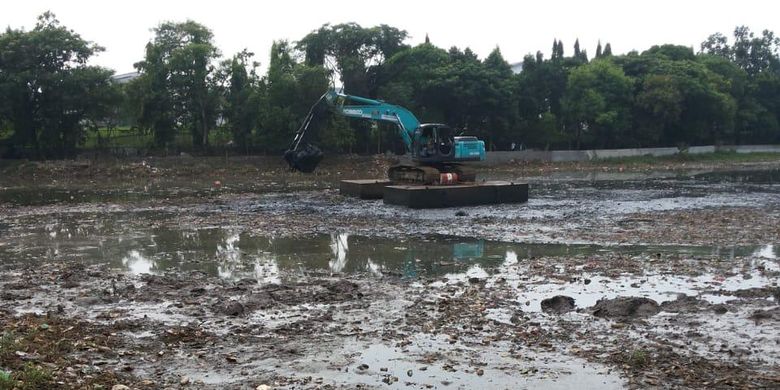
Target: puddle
218	235
430	362
233	254
588	287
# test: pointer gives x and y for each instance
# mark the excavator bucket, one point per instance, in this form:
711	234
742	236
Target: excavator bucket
301	155
304	158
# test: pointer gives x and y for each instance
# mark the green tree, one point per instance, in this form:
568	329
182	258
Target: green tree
607	50
177	87
597	104
671	52
49	97
538	93
500	113
288	91
357	53
473	95
241	97
278	119
755	87
717	44
766	92
411	74
754	54
681	100
577	52
660	106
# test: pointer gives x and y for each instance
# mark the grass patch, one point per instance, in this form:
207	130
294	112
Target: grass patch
637	359
28	375
34	377
7	345
6	381
34	350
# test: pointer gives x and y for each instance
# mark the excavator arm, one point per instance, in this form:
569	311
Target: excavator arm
305	157
301	155
377	110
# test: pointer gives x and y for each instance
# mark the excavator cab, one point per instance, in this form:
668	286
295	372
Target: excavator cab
433	142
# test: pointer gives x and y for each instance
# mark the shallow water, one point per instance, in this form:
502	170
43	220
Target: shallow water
230	253
547	370
156	229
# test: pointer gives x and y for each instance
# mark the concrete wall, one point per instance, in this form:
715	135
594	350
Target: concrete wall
752	148
586	155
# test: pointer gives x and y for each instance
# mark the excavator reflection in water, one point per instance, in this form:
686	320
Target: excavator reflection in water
415	259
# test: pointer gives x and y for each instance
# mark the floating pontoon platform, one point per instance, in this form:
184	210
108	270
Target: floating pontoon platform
364	189
439	196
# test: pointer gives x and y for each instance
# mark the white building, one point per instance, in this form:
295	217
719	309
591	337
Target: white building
125	78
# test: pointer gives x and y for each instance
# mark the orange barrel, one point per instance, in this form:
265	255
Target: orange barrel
448	178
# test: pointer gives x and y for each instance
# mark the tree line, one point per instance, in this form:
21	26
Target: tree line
51	100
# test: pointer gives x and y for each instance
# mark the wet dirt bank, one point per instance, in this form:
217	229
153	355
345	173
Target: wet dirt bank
86	326
604	279
272	173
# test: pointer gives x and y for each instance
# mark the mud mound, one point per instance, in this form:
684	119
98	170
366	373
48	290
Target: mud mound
625	308
230	308
322	291
771	315
757	292
685	304
342	287
558	304
190	334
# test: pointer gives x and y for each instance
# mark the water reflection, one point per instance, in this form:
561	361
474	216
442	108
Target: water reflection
239	254
767	258
266	268
228	256
766	252
510	258
136	263
374	268
339	245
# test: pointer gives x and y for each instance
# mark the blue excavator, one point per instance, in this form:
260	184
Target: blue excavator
436	152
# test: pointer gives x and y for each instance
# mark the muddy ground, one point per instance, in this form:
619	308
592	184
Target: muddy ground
184	273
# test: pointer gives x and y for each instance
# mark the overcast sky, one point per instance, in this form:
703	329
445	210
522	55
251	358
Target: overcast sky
518	28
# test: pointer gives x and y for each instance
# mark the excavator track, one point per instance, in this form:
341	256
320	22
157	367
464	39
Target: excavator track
410	174
429	175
